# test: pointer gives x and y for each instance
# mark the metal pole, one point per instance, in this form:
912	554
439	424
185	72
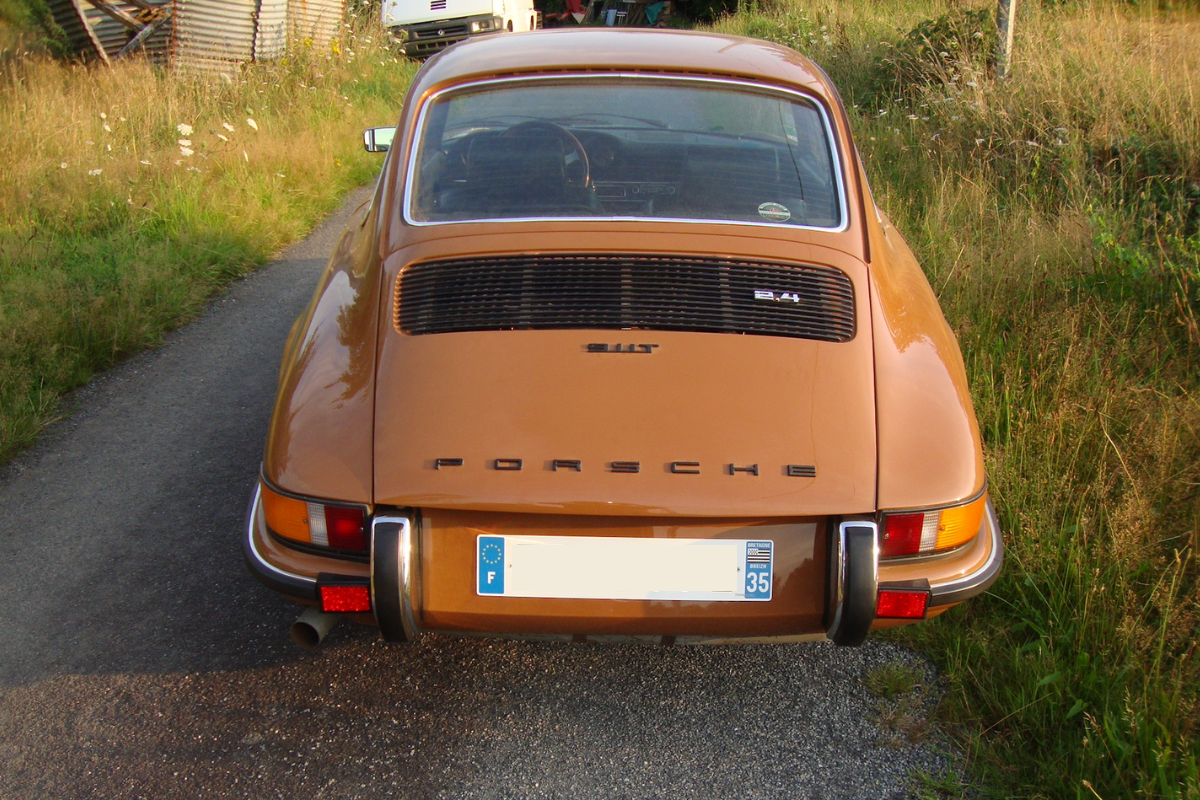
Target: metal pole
1006	11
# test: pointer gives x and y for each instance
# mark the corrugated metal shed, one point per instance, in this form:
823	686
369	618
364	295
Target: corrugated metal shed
315	22
270	37
198	35
98	36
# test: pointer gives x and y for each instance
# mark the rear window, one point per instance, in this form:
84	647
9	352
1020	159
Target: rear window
628	148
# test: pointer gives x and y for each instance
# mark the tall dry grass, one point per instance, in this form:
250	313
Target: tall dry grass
1057	215
129	195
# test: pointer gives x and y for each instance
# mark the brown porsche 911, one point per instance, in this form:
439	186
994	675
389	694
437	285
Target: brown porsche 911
622	347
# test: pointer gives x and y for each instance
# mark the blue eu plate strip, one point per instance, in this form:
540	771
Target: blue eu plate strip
490	558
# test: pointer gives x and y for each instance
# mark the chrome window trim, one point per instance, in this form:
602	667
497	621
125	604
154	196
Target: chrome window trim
835	151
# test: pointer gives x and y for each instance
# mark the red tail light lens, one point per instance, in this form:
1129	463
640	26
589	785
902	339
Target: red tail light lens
901	535
345	599
901	604
346	528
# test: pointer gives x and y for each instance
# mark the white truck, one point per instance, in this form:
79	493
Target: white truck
426	27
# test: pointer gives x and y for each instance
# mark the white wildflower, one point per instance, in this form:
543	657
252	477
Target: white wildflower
95	171
186	152
185	142
222	137
144	161
108	147
251	123
107	129
280	175
89	141
184	129
227	126
129	200
121	118
103	115
178	162
62	165
883	113
193	169
980	141
912	116
972	84
245	156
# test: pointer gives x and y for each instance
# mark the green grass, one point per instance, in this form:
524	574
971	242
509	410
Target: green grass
1057	216
112	232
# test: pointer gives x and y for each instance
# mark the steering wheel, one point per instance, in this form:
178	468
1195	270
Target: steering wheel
576	178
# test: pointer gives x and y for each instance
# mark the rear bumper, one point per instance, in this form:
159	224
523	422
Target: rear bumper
409	596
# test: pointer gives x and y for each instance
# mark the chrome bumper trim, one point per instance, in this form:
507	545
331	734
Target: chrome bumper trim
393	576
977	582
289	583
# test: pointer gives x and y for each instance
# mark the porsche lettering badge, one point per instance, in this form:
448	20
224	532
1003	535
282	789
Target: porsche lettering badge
628	467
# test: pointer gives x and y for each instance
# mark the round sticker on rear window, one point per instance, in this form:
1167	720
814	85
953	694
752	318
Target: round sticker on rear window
774	212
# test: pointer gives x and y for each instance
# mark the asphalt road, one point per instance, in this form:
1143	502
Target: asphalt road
138	658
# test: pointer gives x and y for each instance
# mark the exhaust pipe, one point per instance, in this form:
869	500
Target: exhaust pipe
311	628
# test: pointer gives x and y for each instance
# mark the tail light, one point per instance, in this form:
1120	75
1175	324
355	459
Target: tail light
342	527
910	533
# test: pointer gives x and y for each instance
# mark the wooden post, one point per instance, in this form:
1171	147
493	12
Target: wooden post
1006	11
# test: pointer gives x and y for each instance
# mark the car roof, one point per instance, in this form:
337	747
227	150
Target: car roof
610	49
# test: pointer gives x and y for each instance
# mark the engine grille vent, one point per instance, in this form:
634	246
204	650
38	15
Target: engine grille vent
667	293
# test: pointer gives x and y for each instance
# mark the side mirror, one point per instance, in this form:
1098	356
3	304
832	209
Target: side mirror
378	140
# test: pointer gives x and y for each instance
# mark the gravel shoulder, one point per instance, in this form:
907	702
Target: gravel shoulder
140	659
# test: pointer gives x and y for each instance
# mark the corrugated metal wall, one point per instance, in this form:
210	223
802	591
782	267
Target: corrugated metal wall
213	35
205	35
315	22
270	38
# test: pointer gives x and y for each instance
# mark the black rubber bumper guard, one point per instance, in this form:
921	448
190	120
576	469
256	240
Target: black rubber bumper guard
853	581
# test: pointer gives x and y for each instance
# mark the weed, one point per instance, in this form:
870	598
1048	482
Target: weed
890	680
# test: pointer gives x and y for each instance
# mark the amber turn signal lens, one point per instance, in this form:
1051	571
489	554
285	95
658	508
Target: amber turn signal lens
286	516
911	533
960	524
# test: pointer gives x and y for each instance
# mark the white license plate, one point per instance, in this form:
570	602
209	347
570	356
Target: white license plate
618	568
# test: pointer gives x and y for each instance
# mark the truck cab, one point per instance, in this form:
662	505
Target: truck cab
426	27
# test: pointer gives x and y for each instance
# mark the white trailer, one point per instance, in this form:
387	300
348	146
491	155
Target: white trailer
426	27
